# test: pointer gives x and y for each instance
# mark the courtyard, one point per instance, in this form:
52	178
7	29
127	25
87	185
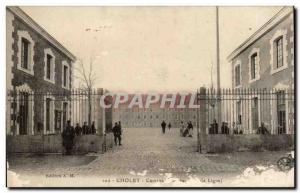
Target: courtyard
146	158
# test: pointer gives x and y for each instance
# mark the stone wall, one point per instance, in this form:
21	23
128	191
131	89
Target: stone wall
233	143
53	143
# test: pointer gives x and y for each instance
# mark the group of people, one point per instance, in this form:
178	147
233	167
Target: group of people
214	127
85	129
236	129
117	131
163	126
186	130
70	132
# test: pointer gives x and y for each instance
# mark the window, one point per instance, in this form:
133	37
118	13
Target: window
281	112
25	53
237	72
279	52
65	75
48	66
254	66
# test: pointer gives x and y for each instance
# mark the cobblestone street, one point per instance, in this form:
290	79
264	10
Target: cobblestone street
146	156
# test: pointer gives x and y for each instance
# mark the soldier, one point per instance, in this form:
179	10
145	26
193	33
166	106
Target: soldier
163	126
93	129
78	129
68	137
117	133
85	129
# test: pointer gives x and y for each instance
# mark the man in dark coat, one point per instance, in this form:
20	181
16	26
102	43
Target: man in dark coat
163	126
68	135
169	125
117	133
215	127
85	129
78	129
93	128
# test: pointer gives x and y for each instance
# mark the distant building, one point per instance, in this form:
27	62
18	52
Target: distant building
266	61
36	63
153	116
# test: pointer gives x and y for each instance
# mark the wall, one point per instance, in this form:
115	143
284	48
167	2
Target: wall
53	143
251	142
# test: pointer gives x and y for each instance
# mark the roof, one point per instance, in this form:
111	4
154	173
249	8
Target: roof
278	17
29	21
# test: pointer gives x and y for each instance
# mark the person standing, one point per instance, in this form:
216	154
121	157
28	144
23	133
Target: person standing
78	129
93	129
169	125
163	126
215	127
117	133
190	128
182	126
68	135
84	129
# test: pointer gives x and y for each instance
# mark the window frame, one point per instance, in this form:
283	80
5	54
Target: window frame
65	64
279	34
49	52
238	64
254	51
24	35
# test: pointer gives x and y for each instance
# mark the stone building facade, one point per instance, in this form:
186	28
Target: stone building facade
265	63
36	63
136	117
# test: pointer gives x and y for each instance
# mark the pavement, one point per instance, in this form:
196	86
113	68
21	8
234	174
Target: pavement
146	158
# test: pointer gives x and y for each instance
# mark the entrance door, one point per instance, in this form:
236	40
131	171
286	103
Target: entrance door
23	115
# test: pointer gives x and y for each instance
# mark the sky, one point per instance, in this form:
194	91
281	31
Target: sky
152	49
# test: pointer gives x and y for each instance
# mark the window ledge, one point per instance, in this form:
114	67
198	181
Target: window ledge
254	80
273	71
25	70
49	80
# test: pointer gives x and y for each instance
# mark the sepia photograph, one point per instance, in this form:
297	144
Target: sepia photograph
150	96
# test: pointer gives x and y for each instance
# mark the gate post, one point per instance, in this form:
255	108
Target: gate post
202	136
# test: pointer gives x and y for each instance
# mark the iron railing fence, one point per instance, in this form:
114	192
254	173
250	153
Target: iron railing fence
247	111
39	112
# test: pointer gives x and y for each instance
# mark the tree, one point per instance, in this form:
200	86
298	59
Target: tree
88	79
